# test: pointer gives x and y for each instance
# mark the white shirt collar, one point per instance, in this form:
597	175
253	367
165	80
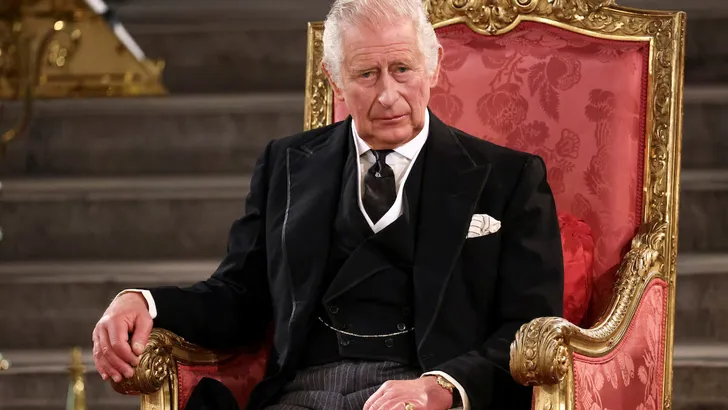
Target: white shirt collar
408	150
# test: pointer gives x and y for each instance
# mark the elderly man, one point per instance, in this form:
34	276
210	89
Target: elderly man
394	257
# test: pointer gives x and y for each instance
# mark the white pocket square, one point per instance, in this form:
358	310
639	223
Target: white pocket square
482	225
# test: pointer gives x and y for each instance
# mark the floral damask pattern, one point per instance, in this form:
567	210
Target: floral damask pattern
629	378
576	101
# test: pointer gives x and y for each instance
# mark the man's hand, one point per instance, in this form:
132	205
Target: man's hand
424	394
113	354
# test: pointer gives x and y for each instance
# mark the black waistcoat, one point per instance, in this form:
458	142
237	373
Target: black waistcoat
368	281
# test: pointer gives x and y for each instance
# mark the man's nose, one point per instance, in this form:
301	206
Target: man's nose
388	94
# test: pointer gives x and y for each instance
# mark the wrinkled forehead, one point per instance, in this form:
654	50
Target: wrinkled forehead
381	43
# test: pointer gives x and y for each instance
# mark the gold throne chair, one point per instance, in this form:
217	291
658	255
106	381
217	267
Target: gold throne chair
595	89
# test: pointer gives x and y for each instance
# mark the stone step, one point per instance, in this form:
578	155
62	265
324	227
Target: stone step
70	297
39	380
701	312
704	127
703	211
223	46
227	57
195	12
209	134
186	217
698	375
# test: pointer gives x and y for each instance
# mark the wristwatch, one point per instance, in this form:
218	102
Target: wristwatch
445	384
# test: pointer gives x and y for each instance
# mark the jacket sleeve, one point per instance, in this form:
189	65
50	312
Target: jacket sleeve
232	307
529	285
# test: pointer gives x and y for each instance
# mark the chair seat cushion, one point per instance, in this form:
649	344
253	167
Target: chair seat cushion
578	248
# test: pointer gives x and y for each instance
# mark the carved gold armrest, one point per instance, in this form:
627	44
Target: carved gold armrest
542	350
157	364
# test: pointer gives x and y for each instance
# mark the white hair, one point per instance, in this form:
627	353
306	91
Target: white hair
348	13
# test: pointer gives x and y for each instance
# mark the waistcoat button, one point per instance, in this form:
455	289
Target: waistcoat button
401	327
389	342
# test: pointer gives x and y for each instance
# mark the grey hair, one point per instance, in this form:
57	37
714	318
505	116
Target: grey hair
347	13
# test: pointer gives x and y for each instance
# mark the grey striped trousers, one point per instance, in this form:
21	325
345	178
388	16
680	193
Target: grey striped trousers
342	385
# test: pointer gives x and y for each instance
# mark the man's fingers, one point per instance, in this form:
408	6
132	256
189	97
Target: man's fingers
142	330
116	364
105	369
119	341
379	404
102	365
378	398
373	398
97	356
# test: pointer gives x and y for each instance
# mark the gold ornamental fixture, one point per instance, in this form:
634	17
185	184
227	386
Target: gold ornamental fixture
68	48
76	399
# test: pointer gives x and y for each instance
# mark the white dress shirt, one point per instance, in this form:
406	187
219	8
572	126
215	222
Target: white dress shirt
401	162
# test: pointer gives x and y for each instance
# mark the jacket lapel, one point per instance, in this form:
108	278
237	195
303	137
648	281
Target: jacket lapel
314	184
451	186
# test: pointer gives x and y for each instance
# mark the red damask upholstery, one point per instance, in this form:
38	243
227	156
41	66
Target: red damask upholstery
578	102
631	376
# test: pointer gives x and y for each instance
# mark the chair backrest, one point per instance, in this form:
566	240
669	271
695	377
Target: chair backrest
593	88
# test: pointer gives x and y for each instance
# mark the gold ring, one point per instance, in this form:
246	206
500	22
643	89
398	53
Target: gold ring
409	406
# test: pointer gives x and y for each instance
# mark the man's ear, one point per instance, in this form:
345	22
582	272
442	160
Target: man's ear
436	74
337	91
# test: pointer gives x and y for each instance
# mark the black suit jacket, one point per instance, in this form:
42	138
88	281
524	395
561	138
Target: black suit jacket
471	295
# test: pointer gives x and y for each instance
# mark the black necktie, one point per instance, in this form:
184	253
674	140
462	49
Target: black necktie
380	189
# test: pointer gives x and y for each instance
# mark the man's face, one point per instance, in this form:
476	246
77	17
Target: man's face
385	83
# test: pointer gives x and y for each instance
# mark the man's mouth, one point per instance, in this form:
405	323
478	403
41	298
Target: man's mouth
392	118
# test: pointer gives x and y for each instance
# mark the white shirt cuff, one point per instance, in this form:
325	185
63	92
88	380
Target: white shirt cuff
461	390
148	297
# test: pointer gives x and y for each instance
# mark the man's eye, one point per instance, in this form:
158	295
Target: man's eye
402	69
367	74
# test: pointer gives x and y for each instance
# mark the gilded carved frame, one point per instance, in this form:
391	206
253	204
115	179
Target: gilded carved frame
542	353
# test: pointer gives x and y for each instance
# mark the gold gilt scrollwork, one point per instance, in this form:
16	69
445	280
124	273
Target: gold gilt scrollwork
155	366
542	349
498	16
318	91
540	354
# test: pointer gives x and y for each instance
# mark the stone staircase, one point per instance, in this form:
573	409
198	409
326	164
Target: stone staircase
103	195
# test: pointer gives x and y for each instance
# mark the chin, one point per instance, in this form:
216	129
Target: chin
395	137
